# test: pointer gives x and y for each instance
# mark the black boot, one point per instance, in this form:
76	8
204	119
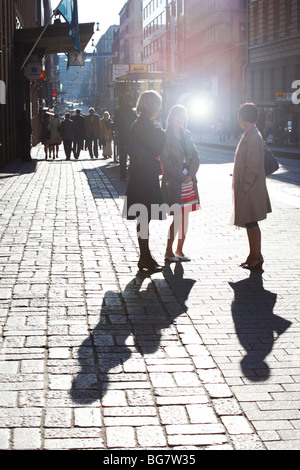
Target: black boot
146	261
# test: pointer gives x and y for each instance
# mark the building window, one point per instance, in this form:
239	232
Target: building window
288	15
265	24
243	33
283	81
255	23
276	19
252	85
262	83
272	83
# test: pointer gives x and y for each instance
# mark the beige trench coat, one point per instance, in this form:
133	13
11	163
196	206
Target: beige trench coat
93	126
251	198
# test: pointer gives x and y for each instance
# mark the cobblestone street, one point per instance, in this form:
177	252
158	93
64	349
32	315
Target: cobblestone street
96	355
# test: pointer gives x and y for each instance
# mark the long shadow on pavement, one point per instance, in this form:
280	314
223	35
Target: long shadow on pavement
18	167
256	325
130	326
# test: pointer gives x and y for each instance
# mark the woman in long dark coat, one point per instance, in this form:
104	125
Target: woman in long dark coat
143	196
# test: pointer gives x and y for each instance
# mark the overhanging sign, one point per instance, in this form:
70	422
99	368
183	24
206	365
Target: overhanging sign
33	71
118	70
138	68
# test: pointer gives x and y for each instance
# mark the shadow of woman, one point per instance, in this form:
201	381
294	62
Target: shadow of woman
256	325
130	326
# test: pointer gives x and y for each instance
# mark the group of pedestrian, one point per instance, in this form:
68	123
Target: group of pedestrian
76	133
172	154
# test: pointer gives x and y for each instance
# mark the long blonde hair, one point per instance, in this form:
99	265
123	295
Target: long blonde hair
177	110
148	104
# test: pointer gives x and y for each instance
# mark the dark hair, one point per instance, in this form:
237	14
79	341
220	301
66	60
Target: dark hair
249	112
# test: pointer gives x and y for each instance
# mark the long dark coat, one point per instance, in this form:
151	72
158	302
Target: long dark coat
79	126
251	198
67	129
172	158
145	144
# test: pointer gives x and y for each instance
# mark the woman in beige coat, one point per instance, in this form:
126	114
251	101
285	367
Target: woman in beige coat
107	134
251	199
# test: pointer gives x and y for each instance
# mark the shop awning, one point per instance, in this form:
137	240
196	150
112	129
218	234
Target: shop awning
56	38
143	76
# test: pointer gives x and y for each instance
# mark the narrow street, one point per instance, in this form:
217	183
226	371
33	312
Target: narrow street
95	355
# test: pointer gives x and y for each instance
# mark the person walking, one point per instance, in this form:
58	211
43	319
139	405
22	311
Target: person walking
181	162
55	136
45	134
251	198
79	133
143	193
93	132
106	134
124	118
67	133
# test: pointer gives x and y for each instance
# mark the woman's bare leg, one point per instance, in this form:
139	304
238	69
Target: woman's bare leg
182	233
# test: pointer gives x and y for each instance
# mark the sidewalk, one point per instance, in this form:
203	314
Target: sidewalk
95	355
213	140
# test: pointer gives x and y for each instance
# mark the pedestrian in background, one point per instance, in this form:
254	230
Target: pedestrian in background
45	134
67	133
79	133
107	134
124	118
93	132
143	194
55	136
251	198
179	184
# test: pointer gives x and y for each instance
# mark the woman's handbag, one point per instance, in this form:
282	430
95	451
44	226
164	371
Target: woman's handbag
271	164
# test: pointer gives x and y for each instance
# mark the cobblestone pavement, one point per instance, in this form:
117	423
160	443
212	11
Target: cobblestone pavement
95	355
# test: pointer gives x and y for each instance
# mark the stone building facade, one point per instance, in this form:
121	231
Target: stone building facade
17	94
273	65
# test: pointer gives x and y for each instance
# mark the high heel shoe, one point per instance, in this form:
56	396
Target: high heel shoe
245	263
149	265
255	263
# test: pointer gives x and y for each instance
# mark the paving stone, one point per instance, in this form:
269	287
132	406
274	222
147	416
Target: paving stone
58	418
27	438
4	439
90	417
236	425
173	414
151	437
117	437
84	443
